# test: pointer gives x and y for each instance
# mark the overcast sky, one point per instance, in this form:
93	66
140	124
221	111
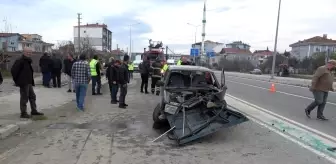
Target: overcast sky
251	21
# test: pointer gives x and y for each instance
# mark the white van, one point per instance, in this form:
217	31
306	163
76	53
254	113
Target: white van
171	62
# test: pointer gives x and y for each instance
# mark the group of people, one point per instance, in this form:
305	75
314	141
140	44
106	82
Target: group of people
51	69
81	72
146	70
118	76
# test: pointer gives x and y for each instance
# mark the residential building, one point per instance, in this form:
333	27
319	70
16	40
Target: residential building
209	46
97	36
307	47
10	41
35	43
261	55
237	50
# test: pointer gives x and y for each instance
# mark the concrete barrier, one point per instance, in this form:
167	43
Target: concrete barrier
281	80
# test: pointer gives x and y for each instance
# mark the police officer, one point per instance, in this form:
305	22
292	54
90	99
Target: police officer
156	75
95	75
179	62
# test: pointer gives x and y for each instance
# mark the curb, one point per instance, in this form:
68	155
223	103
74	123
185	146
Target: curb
8	130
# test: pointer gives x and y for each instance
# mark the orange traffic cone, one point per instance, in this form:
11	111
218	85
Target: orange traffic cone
272	89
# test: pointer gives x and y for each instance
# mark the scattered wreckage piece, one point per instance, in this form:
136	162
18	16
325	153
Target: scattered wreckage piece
192	103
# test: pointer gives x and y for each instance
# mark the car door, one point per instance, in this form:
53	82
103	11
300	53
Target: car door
223	83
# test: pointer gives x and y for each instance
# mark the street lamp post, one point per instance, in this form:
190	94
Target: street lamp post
196	26
130	41
276	41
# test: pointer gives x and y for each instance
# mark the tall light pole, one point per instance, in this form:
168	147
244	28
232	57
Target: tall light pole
276	41
196	26
130	41
203	29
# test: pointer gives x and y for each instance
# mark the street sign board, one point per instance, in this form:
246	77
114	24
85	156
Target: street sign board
194	52
210	53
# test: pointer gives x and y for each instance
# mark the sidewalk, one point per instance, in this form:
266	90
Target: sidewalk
7	87
47	99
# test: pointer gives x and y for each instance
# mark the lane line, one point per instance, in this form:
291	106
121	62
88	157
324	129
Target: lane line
290	94
312	141
269	81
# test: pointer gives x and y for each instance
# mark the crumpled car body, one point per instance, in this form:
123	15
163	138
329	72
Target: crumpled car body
192	104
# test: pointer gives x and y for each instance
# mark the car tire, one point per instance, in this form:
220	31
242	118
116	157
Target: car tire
156	113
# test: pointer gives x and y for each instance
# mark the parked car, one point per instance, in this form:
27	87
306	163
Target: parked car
256	72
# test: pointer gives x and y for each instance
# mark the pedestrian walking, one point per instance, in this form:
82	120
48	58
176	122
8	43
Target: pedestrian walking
68	63
322	83
56	71
130	69
114	73
81	75
22	74
123	79
45	64
144	69
95	75
156	76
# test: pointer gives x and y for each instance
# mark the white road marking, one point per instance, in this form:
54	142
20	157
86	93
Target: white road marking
293	131
278	83
290	94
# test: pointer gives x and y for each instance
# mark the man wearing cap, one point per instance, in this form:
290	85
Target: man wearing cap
322	83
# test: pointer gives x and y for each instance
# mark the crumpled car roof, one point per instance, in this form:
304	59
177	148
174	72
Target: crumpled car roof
189	68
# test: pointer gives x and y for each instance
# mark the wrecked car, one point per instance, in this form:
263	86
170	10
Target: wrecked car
192	104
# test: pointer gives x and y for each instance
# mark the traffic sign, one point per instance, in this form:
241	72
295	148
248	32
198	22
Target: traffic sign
210	53
194	52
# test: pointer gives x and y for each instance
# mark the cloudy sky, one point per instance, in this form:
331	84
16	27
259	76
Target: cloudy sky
251	21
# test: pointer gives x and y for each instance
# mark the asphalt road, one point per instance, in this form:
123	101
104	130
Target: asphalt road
288	101
107	134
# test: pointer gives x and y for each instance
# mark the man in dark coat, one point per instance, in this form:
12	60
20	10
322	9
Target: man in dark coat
22	73
114	81
123	79
46	67
56	71
144	68
67	66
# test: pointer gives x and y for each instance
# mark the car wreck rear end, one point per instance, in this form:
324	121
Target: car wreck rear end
192	103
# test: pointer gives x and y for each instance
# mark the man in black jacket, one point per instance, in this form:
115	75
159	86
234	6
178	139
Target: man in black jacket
22	73
67	63
46	67
123	78
113	80
144	71
56	71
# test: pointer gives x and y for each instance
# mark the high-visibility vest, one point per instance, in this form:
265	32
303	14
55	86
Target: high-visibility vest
93	70
164	69
131	67
179	62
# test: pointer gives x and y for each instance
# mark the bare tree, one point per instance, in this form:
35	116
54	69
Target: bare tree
86	47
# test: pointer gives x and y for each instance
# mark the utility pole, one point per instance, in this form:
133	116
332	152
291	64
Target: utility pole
79	40
203	29
130	41
276	41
